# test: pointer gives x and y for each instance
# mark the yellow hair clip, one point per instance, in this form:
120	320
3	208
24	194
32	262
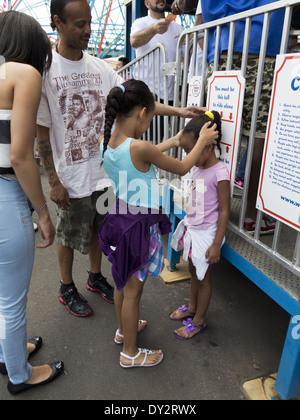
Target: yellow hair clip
210	115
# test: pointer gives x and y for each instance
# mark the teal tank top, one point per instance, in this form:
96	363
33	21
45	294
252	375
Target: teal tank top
130	185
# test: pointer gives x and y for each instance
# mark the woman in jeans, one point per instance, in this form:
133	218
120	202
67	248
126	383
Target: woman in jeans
25	53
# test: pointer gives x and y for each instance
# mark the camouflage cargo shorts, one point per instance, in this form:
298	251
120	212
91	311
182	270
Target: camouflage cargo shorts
251	80
76	227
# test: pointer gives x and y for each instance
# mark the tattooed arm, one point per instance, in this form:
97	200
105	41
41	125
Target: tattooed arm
58	192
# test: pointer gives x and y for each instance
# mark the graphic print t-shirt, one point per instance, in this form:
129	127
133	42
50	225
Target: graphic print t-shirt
73	108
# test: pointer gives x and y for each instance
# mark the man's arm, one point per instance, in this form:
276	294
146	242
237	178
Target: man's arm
141	38
172	111
198	22
58	192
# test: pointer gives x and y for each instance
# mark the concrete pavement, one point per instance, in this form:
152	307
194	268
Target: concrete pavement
244	340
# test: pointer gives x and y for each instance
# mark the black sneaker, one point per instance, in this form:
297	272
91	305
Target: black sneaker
98	284
74	301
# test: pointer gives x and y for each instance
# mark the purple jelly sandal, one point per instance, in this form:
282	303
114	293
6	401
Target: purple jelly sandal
182	308
190	326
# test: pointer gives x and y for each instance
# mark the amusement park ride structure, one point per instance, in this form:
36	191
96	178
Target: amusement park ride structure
108	24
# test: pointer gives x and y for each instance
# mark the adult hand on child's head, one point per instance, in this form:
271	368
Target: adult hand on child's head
191	111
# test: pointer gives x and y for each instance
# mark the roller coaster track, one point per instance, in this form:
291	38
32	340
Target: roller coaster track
107	37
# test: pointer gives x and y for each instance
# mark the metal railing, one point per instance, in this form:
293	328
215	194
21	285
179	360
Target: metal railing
273	248
283	247
182	69
139	69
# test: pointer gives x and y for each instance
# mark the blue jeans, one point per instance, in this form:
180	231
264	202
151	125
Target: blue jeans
242	166
17	246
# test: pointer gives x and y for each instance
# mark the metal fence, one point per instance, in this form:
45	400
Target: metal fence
147	68
182	69
280	251
290	258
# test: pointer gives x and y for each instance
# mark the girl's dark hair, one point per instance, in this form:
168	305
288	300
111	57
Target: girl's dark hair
196	124
57	8
23	40
122	100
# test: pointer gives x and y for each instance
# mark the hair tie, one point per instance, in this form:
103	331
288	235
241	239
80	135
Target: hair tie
122	88
210	115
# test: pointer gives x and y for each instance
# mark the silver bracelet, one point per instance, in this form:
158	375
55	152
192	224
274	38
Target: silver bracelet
41	208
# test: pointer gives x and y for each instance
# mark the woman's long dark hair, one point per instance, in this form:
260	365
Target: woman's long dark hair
23	40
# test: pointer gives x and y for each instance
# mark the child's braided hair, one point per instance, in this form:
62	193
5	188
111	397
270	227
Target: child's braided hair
122	100
196	124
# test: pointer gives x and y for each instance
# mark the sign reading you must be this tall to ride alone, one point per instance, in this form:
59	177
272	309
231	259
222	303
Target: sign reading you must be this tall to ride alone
226	95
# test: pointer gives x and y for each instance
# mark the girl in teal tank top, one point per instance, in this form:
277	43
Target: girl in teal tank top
131	185
129	163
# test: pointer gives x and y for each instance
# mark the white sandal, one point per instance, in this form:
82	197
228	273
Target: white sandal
141	351
141	321
119	335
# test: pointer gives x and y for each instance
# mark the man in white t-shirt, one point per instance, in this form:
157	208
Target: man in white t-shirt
73	101
76	86
149	31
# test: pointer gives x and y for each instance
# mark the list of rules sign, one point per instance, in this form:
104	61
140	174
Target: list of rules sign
279	189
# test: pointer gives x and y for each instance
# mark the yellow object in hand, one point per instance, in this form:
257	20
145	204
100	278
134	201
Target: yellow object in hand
171	17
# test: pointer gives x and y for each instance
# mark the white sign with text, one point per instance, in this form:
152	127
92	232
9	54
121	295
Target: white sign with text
225	94
279	188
